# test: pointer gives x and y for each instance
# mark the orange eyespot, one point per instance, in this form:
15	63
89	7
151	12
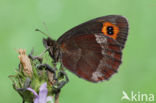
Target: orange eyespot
110	30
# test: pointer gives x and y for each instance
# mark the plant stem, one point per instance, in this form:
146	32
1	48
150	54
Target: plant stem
57	97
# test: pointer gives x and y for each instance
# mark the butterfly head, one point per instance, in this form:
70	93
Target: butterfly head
53	48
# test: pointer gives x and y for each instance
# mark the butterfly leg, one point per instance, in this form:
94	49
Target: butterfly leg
60	83
39	58
49	68
62	74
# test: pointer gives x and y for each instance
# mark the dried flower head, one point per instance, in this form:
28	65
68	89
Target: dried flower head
25	62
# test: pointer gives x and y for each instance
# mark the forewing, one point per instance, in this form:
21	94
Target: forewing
99	25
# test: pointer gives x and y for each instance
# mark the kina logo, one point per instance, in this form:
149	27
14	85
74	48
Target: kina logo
137	96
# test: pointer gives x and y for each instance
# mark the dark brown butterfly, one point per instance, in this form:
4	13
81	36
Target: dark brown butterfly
92	50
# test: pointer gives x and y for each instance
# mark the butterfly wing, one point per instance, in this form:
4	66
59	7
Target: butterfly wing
93	49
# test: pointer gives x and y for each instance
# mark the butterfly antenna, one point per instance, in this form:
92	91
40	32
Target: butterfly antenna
42	33
45	26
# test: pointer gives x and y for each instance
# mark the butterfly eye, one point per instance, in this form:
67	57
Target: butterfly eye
110	30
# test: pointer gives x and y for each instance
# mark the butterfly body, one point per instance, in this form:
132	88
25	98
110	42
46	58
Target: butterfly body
92	50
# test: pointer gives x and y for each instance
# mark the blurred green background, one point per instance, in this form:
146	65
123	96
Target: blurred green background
19	19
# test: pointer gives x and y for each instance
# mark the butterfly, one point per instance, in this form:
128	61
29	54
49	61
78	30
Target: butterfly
92	50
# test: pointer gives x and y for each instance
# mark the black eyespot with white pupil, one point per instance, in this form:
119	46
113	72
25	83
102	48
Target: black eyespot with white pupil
110	30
